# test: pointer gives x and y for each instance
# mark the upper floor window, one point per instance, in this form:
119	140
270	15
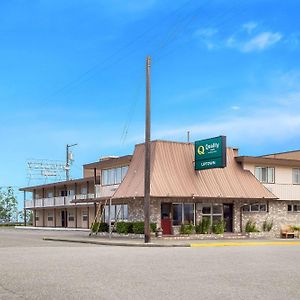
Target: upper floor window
265	174
113	176
296	176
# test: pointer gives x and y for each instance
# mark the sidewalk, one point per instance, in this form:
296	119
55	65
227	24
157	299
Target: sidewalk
161	242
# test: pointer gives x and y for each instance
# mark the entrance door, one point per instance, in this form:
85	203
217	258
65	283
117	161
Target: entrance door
228	216
64	219
166	218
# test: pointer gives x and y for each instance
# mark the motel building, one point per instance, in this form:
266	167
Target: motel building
257	188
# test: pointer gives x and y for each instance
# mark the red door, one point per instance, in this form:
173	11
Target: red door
166	218
166	226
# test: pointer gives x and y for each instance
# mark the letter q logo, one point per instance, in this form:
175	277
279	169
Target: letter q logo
200	150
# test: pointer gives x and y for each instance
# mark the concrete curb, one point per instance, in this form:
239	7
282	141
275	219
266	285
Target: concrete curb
108	243
182	245
51	228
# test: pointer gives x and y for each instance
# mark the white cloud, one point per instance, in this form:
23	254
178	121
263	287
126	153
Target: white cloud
206	36
255	127
235	107
261	41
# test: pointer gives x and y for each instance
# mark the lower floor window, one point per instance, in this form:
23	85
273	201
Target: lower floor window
183	213
71	217
50	217
84	215
214	212
117	213
255	208
293	207
36	217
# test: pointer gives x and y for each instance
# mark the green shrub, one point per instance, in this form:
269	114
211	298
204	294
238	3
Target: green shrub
124	227
296	228
95	227
153	227
251	226
138	227
186	229
219	227
99	227
267	225
203	226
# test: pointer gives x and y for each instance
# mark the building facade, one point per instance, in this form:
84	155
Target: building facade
259	189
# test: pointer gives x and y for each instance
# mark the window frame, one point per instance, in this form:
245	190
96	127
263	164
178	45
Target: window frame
113	176
293	205
182	213
50	216
260	210
298	175
260	178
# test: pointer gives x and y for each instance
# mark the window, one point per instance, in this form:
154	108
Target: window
36	217
214	212
50	194
84	216
113	176
296	176
255	208
293	207
63	193
83	190
50	216
265	174
183	213
71	217
118	212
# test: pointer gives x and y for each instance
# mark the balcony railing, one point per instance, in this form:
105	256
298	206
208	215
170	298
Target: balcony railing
56	201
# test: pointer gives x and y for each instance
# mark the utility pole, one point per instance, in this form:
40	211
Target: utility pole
68	160
147	156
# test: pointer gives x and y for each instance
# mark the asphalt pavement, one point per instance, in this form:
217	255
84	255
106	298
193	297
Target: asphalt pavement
32	268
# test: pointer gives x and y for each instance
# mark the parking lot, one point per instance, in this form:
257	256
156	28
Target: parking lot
31	268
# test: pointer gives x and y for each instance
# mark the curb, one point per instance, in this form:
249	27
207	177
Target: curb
106	243
186	245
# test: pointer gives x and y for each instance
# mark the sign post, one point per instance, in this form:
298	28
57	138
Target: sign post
210	153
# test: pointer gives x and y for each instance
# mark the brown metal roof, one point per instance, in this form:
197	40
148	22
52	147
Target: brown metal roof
294	154
269	161
173	175
60	183
109	163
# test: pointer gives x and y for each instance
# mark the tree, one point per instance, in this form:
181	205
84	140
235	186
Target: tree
8	205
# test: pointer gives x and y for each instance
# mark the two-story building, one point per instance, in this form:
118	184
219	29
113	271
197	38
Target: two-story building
257	188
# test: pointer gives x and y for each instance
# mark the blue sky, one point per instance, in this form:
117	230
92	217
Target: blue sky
73	72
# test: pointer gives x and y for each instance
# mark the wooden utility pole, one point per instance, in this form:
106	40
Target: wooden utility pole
147	156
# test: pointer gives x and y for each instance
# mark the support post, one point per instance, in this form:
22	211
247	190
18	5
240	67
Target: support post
147	156
109	218
25	209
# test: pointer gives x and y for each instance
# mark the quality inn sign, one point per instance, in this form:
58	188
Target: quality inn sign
210	153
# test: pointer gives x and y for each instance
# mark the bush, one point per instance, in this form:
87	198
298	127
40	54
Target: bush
251	227
219	227
267	226
296	228
99	227
186	229
138	227
153	227
204	226
124	227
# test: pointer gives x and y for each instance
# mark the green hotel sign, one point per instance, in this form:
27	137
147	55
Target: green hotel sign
210	153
